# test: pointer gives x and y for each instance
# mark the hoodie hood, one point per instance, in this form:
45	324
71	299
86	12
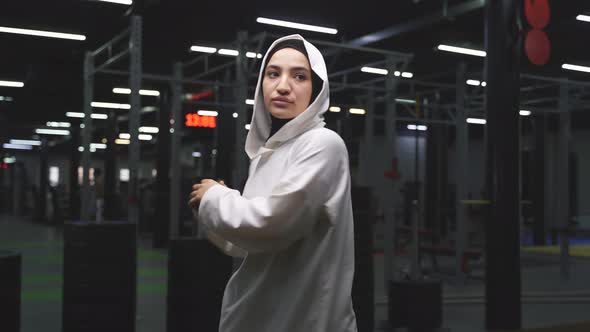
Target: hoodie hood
312	117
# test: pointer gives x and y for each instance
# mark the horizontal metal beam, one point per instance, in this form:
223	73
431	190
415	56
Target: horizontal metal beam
164	78
418	23
215	69
191	62
343	46
556	80
111	42
112	60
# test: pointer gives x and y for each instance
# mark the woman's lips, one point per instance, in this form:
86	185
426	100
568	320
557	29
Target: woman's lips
280	103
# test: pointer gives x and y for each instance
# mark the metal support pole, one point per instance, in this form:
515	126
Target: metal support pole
43	180
563	170
87	135
175	141
110	169
134	118
539	185
365	170
503	280
241	93
389	205
461	172
161	218
73	173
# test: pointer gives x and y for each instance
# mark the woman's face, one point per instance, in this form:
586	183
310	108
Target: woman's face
286	85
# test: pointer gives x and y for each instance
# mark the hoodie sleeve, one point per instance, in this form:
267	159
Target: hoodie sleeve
316	176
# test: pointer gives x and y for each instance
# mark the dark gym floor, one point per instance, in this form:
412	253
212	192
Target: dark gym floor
42	251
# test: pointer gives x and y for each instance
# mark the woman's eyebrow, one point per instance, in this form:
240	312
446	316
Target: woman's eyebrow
296	68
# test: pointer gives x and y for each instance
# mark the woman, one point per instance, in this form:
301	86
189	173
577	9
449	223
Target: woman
293	221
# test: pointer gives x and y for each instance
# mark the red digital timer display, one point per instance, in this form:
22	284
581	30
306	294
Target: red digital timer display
201	121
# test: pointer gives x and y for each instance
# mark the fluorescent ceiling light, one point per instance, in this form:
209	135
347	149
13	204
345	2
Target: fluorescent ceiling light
110	105
405	101
476	121
12	84
382	71
144	137
52	131
120	2
484	84
17	146
203	49
417	127
253	55
584	18
25	142
461	50
524	112
473	82
235	115
357	111
299	26
75	115
99	116
207	113
334	109
42	33
250	101
122	141
372	70
98	146
149	130
59	124
9	160
575	67
196	154
2	98
225	51
247	127
142	92
125	135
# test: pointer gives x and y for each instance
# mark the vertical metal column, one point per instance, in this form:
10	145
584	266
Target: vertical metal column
417	204
175	141
367	145
461	172
134	119
87	135
110	169
43	180
161	218
539	186
241	93
562	169
226	132
503	280
388	203
74	198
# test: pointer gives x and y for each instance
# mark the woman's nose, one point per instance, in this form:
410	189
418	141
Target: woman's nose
283	86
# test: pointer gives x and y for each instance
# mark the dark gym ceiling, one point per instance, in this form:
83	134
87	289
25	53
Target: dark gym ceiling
52	69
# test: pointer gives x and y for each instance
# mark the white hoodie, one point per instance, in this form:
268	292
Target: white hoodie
293	223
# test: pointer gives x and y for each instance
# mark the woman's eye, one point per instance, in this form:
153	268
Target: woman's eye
272	74
300	76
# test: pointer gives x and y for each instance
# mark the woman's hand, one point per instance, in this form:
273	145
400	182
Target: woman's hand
199	191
